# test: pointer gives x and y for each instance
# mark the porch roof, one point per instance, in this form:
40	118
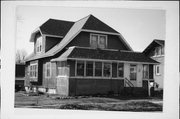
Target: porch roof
106	54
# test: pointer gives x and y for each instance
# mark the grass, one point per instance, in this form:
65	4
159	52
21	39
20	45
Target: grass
87	103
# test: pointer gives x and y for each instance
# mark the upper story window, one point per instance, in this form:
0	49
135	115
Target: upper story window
158	51
39	44
98	41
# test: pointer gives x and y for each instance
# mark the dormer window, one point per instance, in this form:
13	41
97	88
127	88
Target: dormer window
158	51
39	44
98	41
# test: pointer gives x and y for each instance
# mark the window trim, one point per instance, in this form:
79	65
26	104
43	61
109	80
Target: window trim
49	70
30	71
106	38
39	42
156	70
143	71
118	71
102	70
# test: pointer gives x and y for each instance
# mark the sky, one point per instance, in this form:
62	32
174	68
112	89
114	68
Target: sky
138	26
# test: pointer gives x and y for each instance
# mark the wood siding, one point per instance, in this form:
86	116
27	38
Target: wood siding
83	40
95	86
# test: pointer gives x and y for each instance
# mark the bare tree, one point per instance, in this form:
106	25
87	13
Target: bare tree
20	56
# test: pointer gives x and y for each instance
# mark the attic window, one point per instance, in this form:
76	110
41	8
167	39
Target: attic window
39	44
98	41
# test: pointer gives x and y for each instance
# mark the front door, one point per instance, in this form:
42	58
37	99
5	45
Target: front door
133	72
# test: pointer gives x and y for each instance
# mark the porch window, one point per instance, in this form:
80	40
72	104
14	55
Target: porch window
98	69
48	70
33	70
98	41
80	68
157	70
145	71
120	69
89	68
107	69
39	44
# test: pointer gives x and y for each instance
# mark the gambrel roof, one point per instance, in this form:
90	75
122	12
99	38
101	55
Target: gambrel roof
105	55
56	27
153	44
86	24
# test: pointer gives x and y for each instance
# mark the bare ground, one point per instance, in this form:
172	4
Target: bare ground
87	103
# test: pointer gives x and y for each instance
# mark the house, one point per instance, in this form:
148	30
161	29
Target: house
155	50
19	76
85	57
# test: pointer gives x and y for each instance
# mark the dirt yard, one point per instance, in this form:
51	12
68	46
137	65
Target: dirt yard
87	103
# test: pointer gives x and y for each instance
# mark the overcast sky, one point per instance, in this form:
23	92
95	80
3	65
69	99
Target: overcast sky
138	26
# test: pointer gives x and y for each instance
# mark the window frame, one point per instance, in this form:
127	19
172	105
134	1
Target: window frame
157	73
34	70
39	43
46	68
98	40
118	70
144	77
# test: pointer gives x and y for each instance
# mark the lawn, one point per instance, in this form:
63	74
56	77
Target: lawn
87	103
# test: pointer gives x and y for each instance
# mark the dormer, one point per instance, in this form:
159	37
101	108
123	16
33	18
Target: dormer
155	49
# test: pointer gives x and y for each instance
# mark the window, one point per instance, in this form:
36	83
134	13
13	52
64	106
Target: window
120	69
133	72
89	68
158	51
145	71
107	70
98	41
39	45
162	50
94	41
157	70
98	68
48	70
80	68
33	70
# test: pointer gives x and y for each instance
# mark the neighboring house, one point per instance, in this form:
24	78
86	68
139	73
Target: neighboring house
84	57
19	76
155	50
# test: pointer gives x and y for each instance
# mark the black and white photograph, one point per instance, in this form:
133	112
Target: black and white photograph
90	59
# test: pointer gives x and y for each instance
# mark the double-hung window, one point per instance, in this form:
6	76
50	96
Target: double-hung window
33	70
39	44
98	41
47	69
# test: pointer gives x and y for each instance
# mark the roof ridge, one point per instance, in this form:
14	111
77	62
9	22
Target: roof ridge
60	20
83	18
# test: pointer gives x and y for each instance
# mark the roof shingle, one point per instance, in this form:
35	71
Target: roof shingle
87	53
